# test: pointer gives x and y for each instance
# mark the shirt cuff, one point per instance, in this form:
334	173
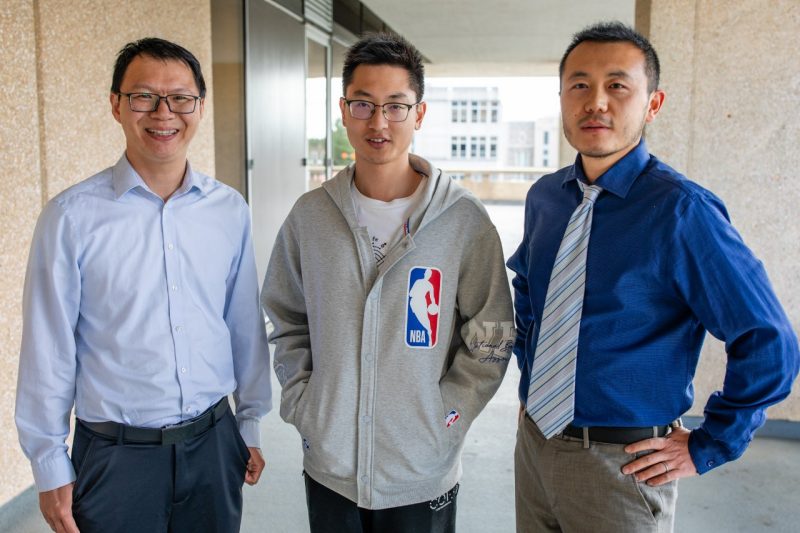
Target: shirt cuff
53	472
250	431
706	453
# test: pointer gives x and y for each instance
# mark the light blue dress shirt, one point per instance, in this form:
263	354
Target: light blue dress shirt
139	311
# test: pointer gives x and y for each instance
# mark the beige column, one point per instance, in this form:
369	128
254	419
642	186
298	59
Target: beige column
20	202
732	80
56	129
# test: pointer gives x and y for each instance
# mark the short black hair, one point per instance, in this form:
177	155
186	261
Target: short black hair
157	49
612	32
386	49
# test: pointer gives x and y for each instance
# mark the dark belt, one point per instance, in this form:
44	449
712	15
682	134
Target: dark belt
617	435
163	436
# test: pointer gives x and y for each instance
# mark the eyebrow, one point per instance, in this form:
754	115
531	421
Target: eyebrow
612	74
143	87
391	97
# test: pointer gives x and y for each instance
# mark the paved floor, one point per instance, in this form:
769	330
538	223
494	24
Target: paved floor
757	493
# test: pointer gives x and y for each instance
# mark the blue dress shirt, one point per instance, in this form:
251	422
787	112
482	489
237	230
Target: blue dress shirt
139	311
664	265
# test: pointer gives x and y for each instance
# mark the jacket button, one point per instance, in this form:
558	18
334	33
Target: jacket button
711	463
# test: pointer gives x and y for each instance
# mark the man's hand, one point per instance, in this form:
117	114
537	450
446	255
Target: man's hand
56	506
669	460
254	466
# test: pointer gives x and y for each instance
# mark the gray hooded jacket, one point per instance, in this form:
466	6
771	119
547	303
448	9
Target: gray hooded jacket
384	371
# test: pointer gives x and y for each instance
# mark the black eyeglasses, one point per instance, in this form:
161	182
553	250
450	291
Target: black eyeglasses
183	104
392	111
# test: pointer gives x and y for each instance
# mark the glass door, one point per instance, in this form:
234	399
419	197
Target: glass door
318	147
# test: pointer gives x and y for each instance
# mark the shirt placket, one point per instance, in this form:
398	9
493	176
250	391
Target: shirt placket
178	326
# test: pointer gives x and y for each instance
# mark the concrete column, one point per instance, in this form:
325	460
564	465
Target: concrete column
20	202
732	81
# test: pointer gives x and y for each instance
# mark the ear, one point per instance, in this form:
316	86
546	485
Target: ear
422	107
654	105
115	100
202	107
342	105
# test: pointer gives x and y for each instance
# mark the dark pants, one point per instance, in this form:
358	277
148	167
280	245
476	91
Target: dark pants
193	486
330	512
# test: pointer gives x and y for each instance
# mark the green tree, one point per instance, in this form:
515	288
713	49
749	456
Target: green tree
343	153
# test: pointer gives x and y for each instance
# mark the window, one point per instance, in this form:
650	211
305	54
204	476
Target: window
495	109
474	111
458	147
474	147
546	137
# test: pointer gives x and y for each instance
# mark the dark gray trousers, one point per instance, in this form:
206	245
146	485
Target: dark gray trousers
194	486
330	512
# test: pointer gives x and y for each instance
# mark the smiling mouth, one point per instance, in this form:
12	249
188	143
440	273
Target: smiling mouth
161	133
379	141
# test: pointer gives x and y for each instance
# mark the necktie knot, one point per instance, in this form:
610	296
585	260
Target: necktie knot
590	192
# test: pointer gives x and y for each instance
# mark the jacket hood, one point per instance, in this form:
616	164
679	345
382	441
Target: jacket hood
440	193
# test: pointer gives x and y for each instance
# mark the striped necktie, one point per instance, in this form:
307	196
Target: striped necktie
551	395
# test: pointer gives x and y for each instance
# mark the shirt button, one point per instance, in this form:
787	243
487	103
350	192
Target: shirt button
170	246
365	479
178	329
368	357
174	287
183	370
366	418
188	409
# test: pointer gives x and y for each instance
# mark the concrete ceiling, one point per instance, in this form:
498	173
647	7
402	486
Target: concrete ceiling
495	38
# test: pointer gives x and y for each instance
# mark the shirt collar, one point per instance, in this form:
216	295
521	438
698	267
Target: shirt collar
620	177
126	178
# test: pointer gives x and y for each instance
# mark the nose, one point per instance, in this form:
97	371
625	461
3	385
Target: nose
597	101
377	121
162	109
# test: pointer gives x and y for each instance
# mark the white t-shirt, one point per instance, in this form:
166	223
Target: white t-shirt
385	221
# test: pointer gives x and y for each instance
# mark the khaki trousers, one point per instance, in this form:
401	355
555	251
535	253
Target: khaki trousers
562	486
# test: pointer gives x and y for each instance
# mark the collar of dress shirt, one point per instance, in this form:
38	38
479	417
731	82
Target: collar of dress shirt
620	177
126	178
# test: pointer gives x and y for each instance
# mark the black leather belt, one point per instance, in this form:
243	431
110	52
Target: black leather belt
617	435
163	436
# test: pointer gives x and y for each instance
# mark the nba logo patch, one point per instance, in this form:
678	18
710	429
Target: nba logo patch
422	307
451	418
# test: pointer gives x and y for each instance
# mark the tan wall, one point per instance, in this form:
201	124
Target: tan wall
733	83
57	129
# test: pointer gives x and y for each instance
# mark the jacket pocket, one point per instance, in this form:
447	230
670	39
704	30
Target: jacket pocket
454	420
326	421
411	441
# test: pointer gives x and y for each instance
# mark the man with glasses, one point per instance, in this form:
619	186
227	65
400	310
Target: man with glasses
392	314
141	308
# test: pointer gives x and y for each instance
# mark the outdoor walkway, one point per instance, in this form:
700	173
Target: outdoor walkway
758	493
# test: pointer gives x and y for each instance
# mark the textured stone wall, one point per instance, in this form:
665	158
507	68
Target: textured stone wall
20	202
56	129
733	83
